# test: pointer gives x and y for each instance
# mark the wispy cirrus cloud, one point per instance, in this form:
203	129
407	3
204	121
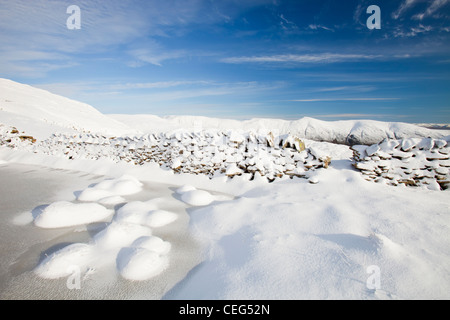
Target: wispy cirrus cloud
319	27
431	8
362	88
344	99
404	6
159	84
154	55
159	92
127	28
411	32
301	58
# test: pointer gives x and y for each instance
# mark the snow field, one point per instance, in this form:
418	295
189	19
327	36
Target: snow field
289	239
296	240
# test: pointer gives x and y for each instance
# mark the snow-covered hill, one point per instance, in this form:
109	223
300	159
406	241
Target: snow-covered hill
349	132
40	113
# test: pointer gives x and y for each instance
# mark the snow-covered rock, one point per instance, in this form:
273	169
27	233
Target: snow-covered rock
410	162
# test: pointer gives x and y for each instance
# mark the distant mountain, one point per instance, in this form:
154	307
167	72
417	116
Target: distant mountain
349	132
40	113
439	126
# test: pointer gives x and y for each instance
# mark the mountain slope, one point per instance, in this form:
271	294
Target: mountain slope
40	113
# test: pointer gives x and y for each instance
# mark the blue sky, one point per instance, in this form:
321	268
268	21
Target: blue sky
236	59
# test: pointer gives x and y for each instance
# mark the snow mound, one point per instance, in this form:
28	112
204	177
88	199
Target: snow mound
108	188
197	197
94	194
144	213
111	200
66	214
139	264
153	243
160	218
120	234
135	212
184	189
60	263
129	247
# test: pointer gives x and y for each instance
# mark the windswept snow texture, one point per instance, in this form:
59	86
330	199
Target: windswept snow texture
296	240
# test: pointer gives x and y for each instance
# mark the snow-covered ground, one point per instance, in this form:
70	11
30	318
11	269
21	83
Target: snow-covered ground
28	269
232	210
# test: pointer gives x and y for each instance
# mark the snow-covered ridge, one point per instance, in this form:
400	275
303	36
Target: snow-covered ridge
350	132
41	113
440	126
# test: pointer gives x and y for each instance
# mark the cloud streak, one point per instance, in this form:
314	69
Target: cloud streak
431	9
344	99
318	27
301	58
404	6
